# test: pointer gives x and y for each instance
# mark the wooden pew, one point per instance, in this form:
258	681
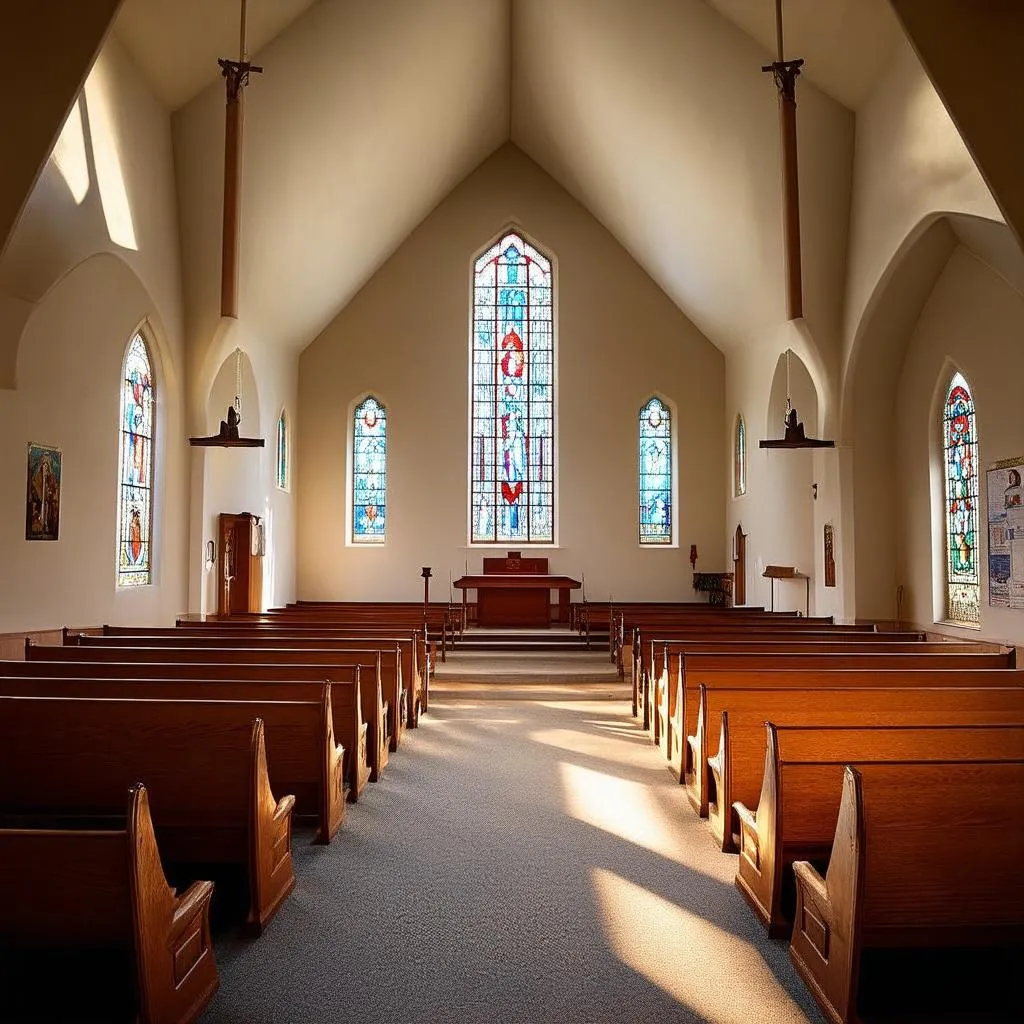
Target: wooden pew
359	722
410	645
302	755
799	804
205	770
788	655
317	652
735	769
714	670
677	645
662	653
104	889
939	869
666	654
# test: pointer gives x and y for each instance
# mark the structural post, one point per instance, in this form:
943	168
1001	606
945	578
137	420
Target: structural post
785	74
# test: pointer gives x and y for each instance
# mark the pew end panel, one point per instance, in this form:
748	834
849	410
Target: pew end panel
827	922
757	876
940	871
271	871
106	889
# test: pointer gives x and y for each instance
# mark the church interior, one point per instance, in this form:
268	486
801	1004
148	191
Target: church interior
700	308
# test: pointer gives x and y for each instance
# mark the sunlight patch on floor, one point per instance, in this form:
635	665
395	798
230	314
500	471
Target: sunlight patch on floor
602	745
720	976
622	808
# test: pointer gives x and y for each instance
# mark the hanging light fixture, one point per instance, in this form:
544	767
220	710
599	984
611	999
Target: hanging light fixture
228	436
794	436
785	73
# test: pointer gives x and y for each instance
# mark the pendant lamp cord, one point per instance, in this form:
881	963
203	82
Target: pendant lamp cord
238	383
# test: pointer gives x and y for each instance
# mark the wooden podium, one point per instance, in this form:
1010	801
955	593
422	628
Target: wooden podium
515	592
240	563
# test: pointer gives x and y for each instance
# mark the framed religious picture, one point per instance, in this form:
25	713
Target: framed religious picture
830	556
42	502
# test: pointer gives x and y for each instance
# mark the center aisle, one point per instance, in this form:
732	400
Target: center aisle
525	858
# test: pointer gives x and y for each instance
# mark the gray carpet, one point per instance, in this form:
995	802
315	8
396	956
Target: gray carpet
525	858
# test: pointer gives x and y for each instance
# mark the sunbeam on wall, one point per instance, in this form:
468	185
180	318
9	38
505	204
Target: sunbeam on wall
106	153
687	956
70	157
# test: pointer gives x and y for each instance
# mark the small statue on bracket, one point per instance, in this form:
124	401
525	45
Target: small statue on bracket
229	429
794	429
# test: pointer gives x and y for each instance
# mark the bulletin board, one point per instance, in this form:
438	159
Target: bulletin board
1006	534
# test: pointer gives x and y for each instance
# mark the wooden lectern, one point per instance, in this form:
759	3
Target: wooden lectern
240	565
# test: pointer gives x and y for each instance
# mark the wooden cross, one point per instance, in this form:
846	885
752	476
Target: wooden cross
236	75
785	74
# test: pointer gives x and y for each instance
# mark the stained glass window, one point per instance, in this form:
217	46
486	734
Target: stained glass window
135	471
369	473
960	450
740	458
282	451
655	473
512	429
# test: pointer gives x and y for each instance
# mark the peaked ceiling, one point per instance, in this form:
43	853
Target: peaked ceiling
654	114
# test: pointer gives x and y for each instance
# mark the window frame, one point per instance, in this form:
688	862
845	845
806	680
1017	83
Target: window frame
547	484
957	379
366	540
120	581
673	511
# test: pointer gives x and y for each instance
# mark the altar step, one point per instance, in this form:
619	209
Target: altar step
524	641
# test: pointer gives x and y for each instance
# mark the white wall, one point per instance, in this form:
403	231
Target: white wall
69	397
80	283
973	321
405	337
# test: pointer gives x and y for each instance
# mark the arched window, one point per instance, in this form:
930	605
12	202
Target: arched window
512	463
656	505
739	458
282	451
369	473
135	468
960	458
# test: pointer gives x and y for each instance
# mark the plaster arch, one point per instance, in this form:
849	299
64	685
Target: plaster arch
870	384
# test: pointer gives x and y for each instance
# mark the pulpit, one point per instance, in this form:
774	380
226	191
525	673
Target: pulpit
516	592
240	567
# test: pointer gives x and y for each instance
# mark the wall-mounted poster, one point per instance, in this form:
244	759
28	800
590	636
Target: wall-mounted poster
1006	534
42	504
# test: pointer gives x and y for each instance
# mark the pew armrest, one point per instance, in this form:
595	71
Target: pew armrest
750	840
808	878
284	808
193	902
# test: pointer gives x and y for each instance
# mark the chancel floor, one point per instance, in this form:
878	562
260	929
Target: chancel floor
524	858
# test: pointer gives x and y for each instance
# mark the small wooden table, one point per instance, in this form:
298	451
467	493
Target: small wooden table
517	599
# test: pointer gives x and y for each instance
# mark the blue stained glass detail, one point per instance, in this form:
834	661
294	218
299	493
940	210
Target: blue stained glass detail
369	473
512	418
960	444
740	459
655	473
135	470
282	451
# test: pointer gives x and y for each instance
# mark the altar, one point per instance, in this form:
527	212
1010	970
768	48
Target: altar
516	592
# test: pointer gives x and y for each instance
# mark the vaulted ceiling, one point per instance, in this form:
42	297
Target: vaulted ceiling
652	113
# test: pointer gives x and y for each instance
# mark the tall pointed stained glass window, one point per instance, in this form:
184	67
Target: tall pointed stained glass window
512	430
656	505
369	473
135	469
960	451
282	451
739	470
